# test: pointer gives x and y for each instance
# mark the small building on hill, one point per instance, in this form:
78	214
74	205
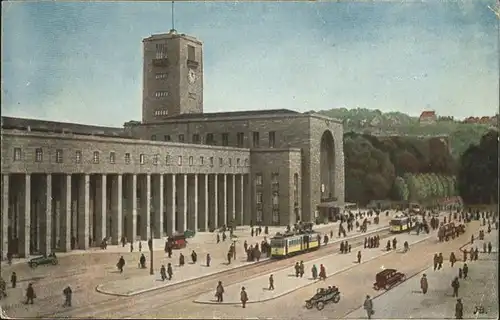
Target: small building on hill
427	117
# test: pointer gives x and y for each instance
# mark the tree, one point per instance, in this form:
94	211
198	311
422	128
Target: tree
478	171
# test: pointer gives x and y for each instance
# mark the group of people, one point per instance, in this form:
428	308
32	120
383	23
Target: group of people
372	242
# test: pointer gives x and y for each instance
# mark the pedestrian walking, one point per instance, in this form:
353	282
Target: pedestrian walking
359	256
30	294
455	284
271	283
465	270
67	292
368	306
13	279
459	309
219	292
424	285
243	297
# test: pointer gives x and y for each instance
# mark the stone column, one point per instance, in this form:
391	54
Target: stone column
117	209
145	191
25	218
222	193
57	218
193	202
230	200
101	208
247	196
171	205
182	205
203	202
46	217
239	200
65	215
132	208
83	212
5	215
157	192
213	200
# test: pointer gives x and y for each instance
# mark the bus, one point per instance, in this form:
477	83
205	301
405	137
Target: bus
399	223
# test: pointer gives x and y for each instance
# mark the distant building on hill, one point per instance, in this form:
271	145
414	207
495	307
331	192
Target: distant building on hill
483	120
427	117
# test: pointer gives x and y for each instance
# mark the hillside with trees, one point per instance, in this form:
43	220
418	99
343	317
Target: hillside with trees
374	122
397	168
478	171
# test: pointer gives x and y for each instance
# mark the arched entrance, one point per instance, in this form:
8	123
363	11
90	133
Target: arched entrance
327	166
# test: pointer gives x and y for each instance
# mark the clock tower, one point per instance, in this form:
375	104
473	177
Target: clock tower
172	76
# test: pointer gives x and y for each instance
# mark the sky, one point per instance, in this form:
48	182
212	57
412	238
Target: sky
82	62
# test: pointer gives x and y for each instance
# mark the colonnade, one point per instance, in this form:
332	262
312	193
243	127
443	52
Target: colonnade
42	213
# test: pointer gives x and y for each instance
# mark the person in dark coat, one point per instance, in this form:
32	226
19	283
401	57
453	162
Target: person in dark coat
13	279
453	259
388	246
194	257
341	246
30	294
459	309
394	243
465	270
490	247
455	284
424	285
120	264
163	272
301	269
208	259
435	261
359	256
440	261
297	269
271	283
142	261
181	260
170	272
243	297
219	291
67	292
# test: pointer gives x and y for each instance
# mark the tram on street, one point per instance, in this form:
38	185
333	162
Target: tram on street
399	223
288	244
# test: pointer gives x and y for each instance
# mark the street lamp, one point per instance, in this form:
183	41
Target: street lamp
150	245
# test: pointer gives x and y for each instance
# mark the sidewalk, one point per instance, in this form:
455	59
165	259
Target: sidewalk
407	299
137	285
488	237
286	282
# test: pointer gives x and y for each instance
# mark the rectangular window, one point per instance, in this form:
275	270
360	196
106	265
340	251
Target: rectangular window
258	197
240	139
275	179
246	163
161	112
161	76
153	137
156	158
161	94
237	162
59	156
256	139
161	51
211	161
166	137
96	157
276	217
17	154
276	199
258	180
225	139
181	138
191	160
142	159
112	157
259	216
210	139
191	53
167	160
196	138
127	158
38	155
78	157
179	161
272	139
230	162
221	162
201	161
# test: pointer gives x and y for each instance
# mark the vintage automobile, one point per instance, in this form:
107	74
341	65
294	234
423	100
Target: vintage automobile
388	278
322	297
177	241
43	260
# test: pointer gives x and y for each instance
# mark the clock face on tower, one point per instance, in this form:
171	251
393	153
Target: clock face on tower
191	76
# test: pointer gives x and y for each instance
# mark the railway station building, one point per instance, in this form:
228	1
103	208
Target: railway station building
68	186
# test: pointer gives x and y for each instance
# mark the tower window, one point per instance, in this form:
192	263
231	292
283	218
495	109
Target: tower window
127	158
181	138
156	159
38	155
167	159
196	138
191	53
201	161
166	137
17	154
161	94
211	161
59	156
161	76
179	160
96	157
210	139
142	158
221	162
161	51
258	180
161	112
191	160
78	157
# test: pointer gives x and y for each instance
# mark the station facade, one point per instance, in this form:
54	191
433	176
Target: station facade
68	186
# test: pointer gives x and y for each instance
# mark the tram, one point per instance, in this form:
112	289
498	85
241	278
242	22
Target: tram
288	244
400	223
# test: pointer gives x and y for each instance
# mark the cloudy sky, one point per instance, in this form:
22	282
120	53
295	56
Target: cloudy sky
81	62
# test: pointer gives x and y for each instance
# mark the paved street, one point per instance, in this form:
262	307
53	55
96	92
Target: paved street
85	271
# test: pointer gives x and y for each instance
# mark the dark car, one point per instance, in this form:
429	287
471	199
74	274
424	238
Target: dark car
388	278
43	260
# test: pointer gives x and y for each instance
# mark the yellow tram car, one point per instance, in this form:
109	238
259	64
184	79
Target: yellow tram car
288	244
400	223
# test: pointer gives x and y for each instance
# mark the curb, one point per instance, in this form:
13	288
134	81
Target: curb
134	293
309	284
